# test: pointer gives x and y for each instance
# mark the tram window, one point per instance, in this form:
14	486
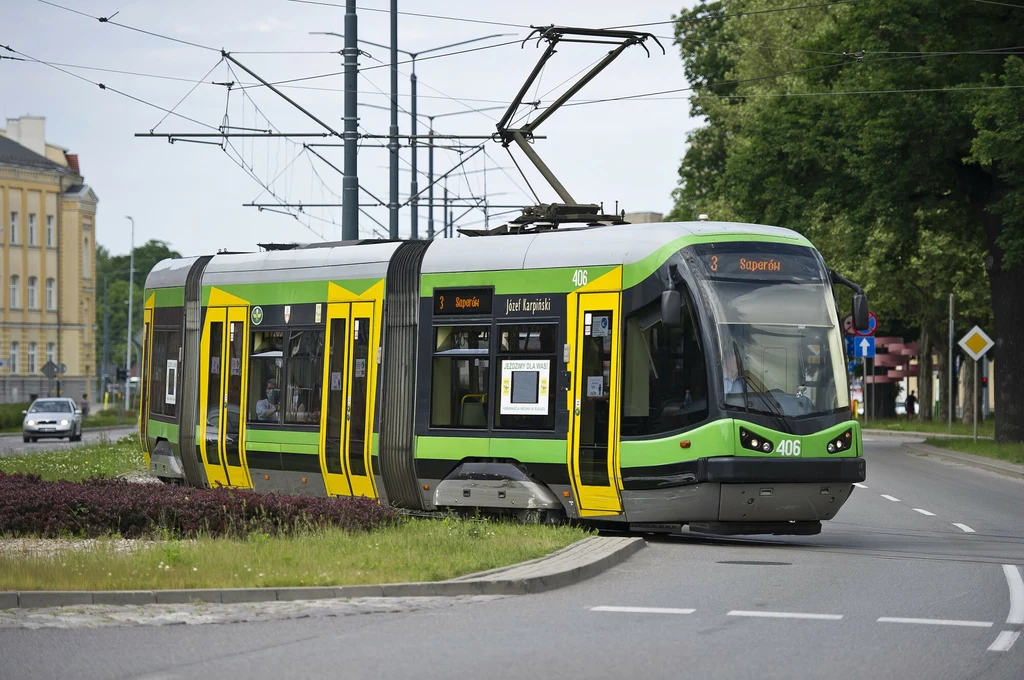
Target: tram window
305	376
660	365
461	377
166	346
266	370
525	394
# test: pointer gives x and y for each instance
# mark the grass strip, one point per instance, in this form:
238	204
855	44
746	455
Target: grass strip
419	550
1012	452
986	428
107	458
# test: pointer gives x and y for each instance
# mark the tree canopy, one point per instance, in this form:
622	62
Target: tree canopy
890	133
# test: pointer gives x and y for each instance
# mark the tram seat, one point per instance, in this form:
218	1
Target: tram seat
473	411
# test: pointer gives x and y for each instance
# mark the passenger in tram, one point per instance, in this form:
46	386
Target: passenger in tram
267	408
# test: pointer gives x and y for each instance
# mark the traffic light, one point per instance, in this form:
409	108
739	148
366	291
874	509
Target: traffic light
984	381
122	374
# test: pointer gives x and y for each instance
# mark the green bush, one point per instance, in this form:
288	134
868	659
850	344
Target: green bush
11	415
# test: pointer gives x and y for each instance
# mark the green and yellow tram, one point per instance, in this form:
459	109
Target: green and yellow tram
649	376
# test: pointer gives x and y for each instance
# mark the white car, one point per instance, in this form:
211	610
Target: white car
52	417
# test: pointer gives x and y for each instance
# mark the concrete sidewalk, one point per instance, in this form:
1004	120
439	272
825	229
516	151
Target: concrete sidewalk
991	464
572	564
918	435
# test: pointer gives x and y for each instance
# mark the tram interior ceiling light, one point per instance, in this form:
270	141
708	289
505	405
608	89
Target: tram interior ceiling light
841	443
755	442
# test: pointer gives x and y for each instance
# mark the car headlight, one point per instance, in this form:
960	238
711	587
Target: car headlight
30	422
64	422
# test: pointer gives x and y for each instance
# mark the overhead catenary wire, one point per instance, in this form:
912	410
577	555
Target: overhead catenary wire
109	20
417	14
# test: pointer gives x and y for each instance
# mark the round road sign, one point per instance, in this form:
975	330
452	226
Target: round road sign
872	326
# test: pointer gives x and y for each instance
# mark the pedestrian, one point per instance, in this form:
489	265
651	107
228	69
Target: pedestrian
84	405
911	403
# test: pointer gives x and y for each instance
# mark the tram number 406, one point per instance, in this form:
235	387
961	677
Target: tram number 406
579	277
789	447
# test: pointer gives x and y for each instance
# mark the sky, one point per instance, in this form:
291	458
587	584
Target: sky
191	195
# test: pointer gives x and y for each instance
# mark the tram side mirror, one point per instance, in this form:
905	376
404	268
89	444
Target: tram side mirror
860	312
672	309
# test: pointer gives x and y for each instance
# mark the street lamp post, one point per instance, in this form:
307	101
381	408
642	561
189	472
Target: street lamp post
128	348
414	185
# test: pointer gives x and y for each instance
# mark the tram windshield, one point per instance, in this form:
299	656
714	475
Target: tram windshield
779	343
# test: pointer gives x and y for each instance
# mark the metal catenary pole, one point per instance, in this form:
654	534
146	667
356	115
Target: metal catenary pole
974	404
128	346
414	186
950	368
430	181
350	180
106	339
393	202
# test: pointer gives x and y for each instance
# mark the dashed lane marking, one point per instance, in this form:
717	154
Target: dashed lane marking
1016	585
924	512
860	486
643	610
963	527
785	615
936	622
1004	641
891	498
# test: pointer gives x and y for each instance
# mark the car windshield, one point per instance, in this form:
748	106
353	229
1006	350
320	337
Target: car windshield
780	350
51	406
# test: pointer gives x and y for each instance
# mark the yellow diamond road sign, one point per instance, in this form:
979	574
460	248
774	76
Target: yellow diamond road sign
976	343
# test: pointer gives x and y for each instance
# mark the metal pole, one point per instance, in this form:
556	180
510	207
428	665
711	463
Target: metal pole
867	394
445	215
106	337
393	130
350	178
414	188
950	370
487	219
128	345
974	404
430	181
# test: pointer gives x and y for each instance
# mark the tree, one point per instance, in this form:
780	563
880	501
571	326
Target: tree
915	194
112	273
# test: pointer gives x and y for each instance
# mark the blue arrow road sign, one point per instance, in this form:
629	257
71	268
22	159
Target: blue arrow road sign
864	347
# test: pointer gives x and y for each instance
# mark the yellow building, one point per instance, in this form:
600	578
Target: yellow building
47	266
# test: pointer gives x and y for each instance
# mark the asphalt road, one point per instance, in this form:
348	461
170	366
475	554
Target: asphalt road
920	577
11	443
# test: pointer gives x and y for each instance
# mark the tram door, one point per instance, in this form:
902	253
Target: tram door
222	378
349	378
594	415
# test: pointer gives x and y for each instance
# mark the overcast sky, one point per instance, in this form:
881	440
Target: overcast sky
191	195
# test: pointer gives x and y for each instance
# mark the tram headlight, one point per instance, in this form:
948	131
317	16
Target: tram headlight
755	442
843	442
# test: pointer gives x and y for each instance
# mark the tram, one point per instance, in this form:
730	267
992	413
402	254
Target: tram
643	376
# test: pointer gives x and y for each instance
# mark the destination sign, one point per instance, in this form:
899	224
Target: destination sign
462	301
760	261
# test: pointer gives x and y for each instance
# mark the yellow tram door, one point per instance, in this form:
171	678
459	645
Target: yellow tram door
221	390
349	378
594	409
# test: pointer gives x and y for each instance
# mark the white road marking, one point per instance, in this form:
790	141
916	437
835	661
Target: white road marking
891	498
937	622
1004	641
860	486
1016	585
963	527
643	610
785	615
866	439
924	512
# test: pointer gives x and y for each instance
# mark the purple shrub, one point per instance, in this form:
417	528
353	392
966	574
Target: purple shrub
96	507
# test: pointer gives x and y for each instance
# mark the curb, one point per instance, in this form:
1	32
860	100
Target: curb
997	466
482	583
922	435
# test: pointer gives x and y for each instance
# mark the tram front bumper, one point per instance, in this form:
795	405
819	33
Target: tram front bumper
747	490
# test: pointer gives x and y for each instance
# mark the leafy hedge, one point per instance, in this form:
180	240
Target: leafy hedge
99	507
11	415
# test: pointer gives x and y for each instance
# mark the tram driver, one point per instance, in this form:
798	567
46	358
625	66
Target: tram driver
268	408
732	381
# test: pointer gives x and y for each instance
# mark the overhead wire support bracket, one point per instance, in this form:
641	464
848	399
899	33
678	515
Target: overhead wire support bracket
522	136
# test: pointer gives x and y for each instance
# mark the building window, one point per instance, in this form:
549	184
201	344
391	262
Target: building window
32	285
15	297
461	377
31	358
49	231
13	359
51	298
14	226
86	271
50	351
525	393
31	229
